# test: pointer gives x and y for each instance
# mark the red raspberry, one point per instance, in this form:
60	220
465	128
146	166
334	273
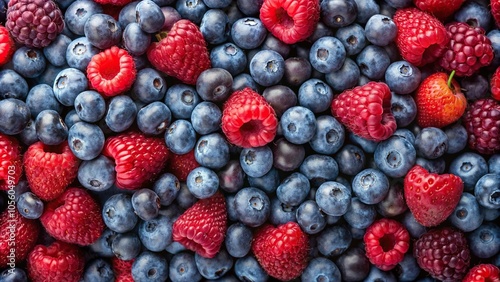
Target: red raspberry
50	169
182	165
202	227
282	251
495	11
443	253
386	243
138	158
441	9
421	37
10	162
122	269
495	85
290	21
181	53
58	262
468	49
482	273
482	122
111	72
74	217
7	45
248	120
366	111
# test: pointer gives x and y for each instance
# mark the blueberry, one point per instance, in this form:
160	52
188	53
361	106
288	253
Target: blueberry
90	106
399	3
353	264
467	215
126	246
484	241
231	176
41	97
320	268
414	228
327	54
403	108
406	134
167	187
494	164
97	174
86	140
238	240
360	215
215	26
79	53
244	80
182	268
366	9
146	203
373	61
370	186
102	31
102	246
185	199
297	70
28	62
394	202
298	124
490	214
350	159
68	84
156	233
457	138
121	113
149	16
181	99
402	77
380	30
202	182
248	269
376	274
99	270
310	218
280	97
217	4
281	213
149	86
230	57
345	78
338	13
13	85
353	38
470	167
256	162
267	183
248	33
333	198
78	12
267	67
431	143
433	166
214	84
212	151
16	274
29	205
50	127
273	43
395	156
154	118
294	189
192	10
118	213
329	136
474	14
407	269
494	36
135	40
252	206
368	146
487	191
315	95
206	118
216	267
53	51
149	266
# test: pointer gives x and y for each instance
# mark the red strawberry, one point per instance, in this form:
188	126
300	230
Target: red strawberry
366	111
430	197
290	21
482	273
10	162
421	38
441	9
74	217
202	227
182	165
386	243
138	158
181	53
248	120
282	251
7	45
440	101
16	233
482	121
50	169
111	71
495	84
495	11
58	262
122	269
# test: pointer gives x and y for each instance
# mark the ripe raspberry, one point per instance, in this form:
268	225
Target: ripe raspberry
74	217
495	11
443	253
421	38
122	269
386	242
58	262
181	53
482	121
138	158
282	251
34	23
495	85
25	233
290	21
10	162
182	165
366	111
50	169
441	9
202	227
482	273
7	45
248	120
468	49
111	72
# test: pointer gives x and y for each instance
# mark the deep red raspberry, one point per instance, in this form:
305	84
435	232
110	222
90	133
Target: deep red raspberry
202	227
482	122
290	21
182	165
444	253
421	37
366	111
386	243
138	158
112	71
495	11
7	45
58	262
248	120
495	84
483	273
441	9
50	169
181	53
468	49
282	251
122	269
10	162
74	217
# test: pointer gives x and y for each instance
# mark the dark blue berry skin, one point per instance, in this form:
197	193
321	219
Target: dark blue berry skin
487	190
414	228
395	156
432	165
149	86
370	186
470	167
206	118
297	70
185	199
353	38
248	33
457	138
118	213
150	266
154	118
182	267
135	40
399	3
467	215
494	36
126	246
102	246
406	134
319	168
484	242
476	86
53	51
252	206
28	62
28	134
78	13
149	16
248	269
29	205
409	269
267	67
192	10
98	270
16	274
202	182
294	189
494	164
490	214
360	215
298	124
256	162
244	80
345	78
102	31
403	108
167	187
380	30
230	57
394	202
353	264
156	233
249	7
217	4
333	198
368	146
146	203
338	13
366	9
127	14
327	54
315	95
329	136
41	97
231	176
280	97
181	99
97	174
376	275
48	75
121	113
431	143
267	183
86	140
214	84
474	14
238	240
13	85
50	127
68	84
402	77
215	26
321	268
90	106
373	61
212	151
350	159
310	218
281	213
79	53
216	267
273	43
